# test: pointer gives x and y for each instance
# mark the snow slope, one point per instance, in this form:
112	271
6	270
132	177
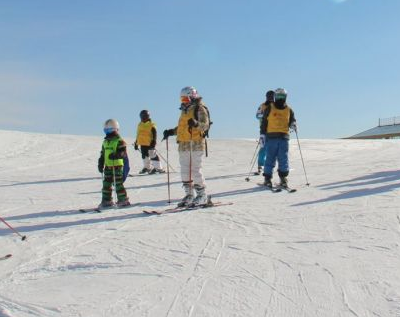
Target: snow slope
331	249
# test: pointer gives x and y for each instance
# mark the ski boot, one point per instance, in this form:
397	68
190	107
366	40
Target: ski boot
123	203
106	204
267	181
187	200
144	170
284	182
201	197
152	171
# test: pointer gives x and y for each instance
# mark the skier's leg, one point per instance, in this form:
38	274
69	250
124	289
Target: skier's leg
122	197
155	160
187	184
146	159
106	197
198	178
261	158
272	152
283	161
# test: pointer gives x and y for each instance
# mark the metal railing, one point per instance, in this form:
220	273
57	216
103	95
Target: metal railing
389	121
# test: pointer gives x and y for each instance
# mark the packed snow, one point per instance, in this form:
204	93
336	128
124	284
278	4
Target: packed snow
330	249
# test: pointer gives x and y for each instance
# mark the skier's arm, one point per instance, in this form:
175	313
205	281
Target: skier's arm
260	111
169	132
292	121
154	137
100	163
121	151
264	120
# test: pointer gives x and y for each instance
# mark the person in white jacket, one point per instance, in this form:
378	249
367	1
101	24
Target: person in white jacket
192	125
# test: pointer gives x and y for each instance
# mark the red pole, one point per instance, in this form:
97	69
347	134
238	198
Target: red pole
15	231
169	190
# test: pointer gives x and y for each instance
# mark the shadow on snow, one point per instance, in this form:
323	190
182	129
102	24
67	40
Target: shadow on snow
370	179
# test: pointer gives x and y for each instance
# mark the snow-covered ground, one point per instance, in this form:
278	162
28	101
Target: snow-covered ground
331	249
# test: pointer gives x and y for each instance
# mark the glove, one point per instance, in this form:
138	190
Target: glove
192	123
136	146
153	144
114	156
262	140
293	126
100	165
168	133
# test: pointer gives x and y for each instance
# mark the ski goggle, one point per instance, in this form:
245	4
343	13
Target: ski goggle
185	99
108	130
280	96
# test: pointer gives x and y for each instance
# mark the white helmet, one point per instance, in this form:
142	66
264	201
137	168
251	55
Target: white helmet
190	92
110	126
280	94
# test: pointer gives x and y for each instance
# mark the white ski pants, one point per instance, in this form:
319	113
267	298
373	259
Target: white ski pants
197	175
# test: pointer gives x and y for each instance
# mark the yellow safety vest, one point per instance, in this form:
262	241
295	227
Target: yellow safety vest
278	120
144	135
183	134
110	146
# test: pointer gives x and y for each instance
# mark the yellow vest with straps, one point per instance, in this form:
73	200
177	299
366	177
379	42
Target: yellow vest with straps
278	120
110	146
183	134
144	135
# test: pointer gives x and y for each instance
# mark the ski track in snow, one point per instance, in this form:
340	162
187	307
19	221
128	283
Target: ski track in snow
331	249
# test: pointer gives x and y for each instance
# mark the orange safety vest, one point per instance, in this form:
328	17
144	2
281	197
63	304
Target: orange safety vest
278	120
144	134
183	134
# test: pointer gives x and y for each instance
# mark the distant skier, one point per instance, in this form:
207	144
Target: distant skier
270	95
146	138
274	132
111	163
193	123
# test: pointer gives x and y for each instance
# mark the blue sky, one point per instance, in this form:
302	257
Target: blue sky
67	66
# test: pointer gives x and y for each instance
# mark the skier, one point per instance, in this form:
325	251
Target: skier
270	95
146	138
111	163
193	122
274	132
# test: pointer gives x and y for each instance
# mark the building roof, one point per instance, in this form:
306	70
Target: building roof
379	132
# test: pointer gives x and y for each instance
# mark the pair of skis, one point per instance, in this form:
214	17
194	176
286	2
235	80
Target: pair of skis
278	188
209	204
98	209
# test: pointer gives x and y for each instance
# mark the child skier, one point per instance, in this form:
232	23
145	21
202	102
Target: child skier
146	138
274	132
111	163
270	95
193	123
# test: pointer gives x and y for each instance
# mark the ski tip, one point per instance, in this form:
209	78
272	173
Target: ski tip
8	256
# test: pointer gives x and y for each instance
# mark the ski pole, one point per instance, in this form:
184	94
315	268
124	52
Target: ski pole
166	161
15	231
169	184
253	161
302	160
115	182
190	157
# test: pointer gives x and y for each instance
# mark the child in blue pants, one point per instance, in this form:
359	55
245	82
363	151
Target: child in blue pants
259	115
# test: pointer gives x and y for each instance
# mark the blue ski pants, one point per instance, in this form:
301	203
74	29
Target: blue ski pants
277	150
261	155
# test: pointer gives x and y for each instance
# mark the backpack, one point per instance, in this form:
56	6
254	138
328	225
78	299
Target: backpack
196	110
